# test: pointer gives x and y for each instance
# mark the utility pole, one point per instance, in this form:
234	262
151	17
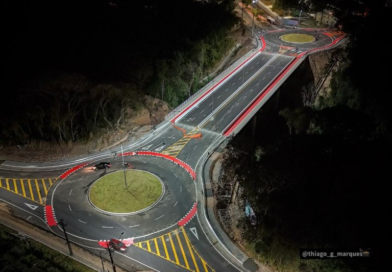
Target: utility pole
66	237
125	176
111	257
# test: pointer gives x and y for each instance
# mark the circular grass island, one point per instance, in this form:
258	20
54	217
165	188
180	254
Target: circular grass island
112	194
297	38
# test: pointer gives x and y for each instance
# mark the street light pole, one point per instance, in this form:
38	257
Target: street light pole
66	237
111	257
125	176
299	19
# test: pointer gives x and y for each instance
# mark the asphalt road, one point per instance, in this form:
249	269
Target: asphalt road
171	235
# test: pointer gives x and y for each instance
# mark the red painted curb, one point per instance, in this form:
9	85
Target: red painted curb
73	169
49	215
189	216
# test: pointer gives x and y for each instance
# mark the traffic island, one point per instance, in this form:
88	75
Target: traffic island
137	192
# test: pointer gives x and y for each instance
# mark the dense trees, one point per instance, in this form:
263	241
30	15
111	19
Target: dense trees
75	67
317	177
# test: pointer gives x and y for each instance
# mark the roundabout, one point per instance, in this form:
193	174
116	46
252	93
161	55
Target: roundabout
96	203
126	192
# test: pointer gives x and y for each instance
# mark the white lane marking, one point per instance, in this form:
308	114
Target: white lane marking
233	84
144	161
69	206
159	148
147	147
70	192
159	217
106	227
175	175
226	90
175	203
194	231
31	206
202	111
218	96
180	189
81	178
133	226
195	147
81	221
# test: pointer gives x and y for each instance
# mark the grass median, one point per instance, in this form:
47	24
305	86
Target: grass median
110	193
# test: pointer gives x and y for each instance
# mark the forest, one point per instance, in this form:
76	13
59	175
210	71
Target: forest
315	171
74	68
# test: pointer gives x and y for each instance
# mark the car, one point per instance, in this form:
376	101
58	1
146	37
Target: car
117	244
102	165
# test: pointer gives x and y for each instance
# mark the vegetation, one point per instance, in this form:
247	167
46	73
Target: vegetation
91	66
315	170
24	254
110	194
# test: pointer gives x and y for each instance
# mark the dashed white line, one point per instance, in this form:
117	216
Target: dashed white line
70	192
69	206
175	203
133	226
219	96
81	221
180	189
226	90
159	217
195	147
202	111
233	83
81	178
106	227
175	175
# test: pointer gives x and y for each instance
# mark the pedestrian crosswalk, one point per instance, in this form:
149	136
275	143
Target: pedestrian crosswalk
176	247
35	189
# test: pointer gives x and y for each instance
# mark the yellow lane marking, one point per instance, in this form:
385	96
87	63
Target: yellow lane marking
176	148
15	187
204	265
38	191
50	181
164	246
173	248
45	189
190	249
8	185
1	183
148	246
156	246
23	188
31	191
182	250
